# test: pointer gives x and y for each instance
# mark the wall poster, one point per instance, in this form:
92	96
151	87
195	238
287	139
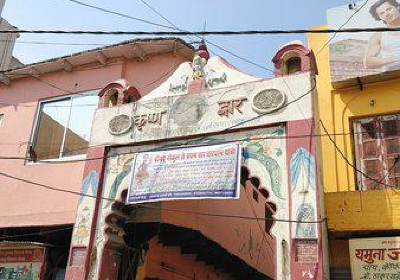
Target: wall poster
375	258
189	173
364	53
21	263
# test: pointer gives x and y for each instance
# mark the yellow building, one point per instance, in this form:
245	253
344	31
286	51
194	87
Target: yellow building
358	123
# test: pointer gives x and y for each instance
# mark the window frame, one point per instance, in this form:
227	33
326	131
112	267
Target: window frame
354	142
40	103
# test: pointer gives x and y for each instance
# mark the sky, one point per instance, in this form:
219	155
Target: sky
336	16
187	15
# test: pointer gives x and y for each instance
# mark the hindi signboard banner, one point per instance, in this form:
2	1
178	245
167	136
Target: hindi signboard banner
364	53
189	173
375	258
21	263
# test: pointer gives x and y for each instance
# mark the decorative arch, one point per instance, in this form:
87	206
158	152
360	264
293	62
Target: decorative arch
118	230
270	207
119	213
292	54
117	93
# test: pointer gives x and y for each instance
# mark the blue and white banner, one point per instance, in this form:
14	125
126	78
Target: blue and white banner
189	173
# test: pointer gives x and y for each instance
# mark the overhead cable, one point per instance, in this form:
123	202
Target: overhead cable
204	33
378	182
187	143
118	13
173	27
199	213
274	137
340	28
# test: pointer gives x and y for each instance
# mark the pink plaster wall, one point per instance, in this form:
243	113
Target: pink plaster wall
23	204
241	237
179	266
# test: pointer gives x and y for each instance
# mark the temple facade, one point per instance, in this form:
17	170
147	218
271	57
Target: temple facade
131	226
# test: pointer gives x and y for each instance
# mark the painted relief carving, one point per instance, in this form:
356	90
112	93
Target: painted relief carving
198	66
91	181
227	107
120	124
259	150
85	209
267	101
306	215
181	85
189	109
141	120
265	155
302	171
214	78
82	231
117	182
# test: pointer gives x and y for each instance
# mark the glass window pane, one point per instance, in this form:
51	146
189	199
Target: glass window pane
53	119
78	132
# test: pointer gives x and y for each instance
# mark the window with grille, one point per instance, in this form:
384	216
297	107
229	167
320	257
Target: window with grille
377	152
63	126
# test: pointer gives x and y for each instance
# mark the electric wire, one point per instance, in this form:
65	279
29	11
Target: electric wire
199	213
174	27
117	13
263	231
348	161
70	228
229	52
85	93
207	40
378	182
28	42
161	15
343	25
48	187
188	142
5	237
275	137
395	162
268	69
204	33
74	1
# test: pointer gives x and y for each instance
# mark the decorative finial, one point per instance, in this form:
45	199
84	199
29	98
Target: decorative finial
200	60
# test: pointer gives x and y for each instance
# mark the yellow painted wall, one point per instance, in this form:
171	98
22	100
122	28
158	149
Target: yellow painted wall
363	210
335	109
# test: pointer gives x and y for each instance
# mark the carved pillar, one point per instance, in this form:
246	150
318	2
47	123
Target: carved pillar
86	217
306	256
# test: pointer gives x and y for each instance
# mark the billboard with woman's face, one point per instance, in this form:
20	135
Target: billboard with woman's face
364	53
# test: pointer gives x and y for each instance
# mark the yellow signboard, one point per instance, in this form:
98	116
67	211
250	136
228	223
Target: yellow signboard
375	258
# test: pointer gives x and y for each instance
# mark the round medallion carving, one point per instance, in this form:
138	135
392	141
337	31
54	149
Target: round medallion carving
189	109
267	101
120	124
